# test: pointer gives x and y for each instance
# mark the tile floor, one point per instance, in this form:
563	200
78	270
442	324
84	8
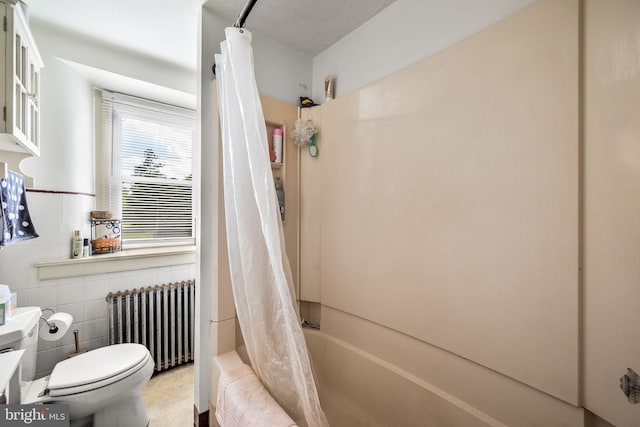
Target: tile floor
169	397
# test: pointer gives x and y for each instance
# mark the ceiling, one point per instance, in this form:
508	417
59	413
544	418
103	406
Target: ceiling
308	26
167	29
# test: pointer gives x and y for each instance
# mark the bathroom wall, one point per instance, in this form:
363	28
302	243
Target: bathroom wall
64	186
67	159
402	34
281	72
441	219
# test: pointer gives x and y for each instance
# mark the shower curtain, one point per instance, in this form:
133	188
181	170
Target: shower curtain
260	274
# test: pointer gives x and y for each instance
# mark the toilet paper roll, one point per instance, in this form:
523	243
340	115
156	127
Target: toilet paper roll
62	321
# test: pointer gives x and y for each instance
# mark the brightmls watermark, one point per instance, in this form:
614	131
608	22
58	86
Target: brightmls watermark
53	415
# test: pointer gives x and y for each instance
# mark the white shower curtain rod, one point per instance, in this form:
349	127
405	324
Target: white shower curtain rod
242	18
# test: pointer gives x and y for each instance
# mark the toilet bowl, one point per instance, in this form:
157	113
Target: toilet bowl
103	384
101	387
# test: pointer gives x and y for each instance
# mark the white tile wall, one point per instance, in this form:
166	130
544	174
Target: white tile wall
68	292
94	309
55	217
95	288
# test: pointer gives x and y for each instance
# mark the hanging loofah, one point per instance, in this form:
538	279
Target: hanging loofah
303	132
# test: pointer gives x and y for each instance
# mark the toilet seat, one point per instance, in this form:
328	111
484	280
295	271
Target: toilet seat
97	368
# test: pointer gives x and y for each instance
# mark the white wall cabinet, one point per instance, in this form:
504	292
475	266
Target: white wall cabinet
20	84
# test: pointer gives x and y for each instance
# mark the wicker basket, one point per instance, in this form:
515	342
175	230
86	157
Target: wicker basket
105	246
105	236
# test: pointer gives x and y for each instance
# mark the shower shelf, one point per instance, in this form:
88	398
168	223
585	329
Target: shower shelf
279	169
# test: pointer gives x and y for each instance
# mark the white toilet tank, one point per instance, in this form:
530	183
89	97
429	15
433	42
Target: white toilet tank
21	332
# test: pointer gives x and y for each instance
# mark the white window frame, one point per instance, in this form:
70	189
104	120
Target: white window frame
108	179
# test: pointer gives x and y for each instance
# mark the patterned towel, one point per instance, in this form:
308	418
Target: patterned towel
15	221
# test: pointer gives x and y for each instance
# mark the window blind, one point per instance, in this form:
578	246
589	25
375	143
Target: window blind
150	177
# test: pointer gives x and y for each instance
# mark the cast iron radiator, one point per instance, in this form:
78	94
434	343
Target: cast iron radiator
159	317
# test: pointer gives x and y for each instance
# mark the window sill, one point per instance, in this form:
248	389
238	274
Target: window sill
131	259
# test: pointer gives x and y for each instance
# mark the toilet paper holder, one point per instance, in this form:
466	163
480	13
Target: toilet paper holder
52	326
57	325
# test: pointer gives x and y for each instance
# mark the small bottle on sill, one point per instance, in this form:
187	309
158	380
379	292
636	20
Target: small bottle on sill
86	251
76	245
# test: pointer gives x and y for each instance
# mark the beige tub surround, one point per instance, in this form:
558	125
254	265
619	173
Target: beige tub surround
445	224
444	204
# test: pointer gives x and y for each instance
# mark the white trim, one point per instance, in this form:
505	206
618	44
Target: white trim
133	259
147	104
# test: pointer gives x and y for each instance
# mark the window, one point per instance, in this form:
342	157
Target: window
144	169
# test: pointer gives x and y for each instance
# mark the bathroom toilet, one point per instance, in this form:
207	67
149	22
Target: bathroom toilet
102	387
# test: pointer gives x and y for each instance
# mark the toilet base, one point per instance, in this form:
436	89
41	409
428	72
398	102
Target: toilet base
129	412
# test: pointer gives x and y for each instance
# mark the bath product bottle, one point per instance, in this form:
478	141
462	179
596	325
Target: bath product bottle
280	194
328	88
76	244
277	144
85	248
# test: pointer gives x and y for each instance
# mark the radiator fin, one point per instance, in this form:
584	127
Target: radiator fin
162	318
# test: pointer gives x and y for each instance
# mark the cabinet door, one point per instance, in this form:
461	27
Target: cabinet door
33	102
26	86
20	81
611	206
21	85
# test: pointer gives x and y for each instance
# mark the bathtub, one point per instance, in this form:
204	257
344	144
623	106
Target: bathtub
358	389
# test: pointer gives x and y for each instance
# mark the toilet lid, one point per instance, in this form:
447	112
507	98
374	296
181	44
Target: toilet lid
96	365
